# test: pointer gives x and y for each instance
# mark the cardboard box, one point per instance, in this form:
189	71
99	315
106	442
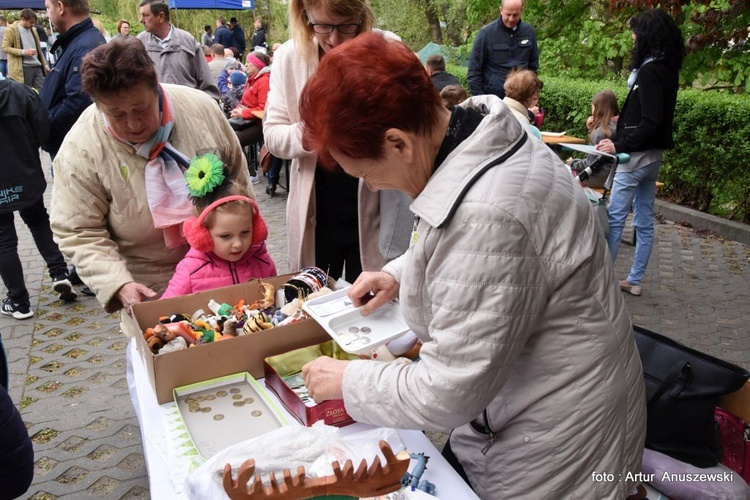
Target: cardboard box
242	354
331	412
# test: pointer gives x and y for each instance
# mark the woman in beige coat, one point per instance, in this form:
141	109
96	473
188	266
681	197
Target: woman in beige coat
113	214
333	221
528	350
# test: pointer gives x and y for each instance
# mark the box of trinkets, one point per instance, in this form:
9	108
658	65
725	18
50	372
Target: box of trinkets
236	403
243	353
284	377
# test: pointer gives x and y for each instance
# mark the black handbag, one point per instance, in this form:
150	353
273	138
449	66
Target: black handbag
240	123
682	386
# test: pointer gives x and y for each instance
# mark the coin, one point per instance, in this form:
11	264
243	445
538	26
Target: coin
206	409
218	416
189	399
249	401
256	413
239	403
365	329
353	329
210	397
234	390
364	340
236	396
221	394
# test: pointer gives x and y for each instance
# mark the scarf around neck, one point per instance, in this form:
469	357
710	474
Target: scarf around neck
634	74
166	189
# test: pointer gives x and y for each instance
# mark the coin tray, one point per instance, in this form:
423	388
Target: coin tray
224	411
356	334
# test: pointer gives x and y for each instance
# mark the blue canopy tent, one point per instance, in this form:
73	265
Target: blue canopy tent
210	4
22	4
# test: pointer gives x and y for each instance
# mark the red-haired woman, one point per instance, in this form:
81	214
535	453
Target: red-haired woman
332	221
528	350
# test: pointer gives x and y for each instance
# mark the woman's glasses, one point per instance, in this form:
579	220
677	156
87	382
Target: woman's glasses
344	29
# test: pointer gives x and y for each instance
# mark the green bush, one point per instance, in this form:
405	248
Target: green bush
709	168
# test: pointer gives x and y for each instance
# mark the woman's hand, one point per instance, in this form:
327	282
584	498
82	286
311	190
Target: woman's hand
134	293
373	290
236	113
606	146
324	377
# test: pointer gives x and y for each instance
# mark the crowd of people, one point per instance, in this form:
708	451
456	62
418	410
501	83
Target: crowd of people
399	183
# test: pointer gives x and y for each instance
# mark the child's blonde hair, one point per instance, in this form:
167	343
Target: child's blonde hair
605	108
237	207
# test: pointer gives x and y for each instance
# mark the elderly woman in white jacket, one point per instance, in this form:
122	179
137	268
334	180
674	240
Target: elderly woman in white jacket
528	350
333	221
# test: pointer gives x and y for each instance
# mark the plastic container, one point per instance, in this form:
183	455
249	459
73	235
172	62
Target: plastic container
354	333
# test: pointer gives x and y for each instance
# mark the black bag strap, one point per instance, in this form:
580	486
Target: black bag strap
680	372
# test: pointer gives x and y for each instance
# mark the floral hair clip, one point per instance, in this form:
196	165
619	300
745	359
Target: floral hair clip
206	173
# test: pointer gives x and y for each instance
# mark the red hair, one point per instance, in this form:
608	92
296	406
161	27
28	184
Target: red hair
361	89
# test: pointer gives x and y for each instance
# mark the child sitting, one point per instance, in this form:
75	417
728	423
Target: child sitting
602	125
232	98
227	240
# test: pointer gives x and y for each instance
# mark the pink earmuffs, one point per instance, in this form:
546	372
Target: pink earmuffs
199	236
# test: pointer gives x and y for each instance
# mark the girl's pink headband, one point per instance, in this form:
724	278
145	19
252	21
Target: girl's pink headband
255	61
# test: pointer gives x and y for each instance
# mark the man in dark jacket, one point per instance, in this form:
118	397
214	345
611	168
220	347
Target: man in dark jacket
259	36
23	126
435	66
62	94
222	35
501	46
238	36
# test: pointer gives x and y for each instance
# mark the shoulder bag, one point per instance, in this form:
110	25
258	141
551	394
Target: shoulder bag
682	386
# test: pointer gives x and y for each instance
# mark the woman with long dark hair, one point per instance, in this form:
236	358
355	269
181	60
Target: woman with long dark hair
644	130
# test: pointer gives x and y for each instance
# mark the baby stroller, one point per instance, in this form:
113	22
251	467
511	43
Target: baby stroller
598	197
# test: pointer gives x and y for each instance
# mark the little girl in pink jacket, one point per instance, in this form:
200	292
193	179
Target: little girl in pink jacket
228	246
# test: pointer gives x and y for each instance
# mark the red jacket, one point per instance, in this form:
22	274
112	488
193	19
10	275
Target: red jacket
256	93
201	271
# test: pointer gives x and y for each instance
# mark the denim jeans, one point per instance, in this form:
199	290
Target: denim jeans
4	67
274	171
36	218
635	189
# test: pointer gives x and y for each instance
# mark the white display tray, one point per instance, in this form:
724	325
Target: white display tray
232	409
354	333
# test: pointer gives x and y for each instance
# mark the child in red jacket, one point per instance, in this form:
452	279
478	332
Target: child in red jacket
227	240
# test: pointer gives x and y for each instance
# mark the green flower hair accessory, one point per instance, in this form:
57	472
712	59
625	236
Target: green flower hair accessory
205	174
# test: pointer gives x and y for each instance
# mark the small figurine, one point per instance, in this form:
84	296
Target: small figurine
413	479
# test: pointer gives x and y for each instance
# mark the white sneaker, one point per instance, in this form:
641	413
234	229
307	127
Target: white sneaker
254	179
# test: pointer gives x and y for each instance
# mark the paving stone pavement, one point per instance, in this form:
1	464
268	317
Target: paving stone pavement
67	363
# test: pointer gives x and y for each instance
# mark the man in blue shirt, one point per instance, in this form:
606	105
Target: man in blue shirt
222	35
501	46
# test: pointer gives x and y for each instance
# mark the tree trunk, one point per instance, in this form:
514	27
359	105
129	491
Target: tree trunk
430	12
